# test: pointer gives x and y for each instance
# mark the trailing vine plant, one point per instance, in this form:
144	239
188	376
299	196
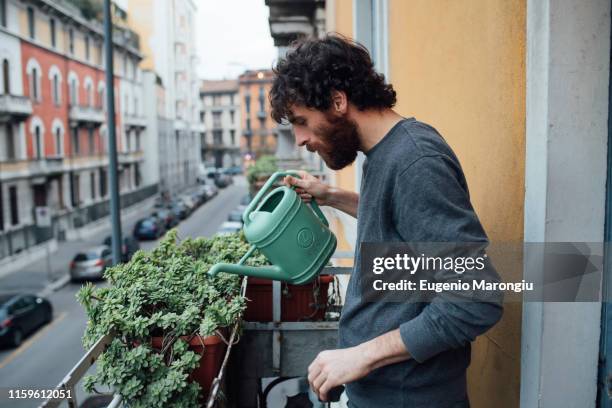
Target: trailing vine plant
167	293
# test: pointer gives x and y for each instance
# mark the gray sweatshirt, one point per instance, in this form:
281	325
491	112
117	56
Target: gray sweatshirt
413	190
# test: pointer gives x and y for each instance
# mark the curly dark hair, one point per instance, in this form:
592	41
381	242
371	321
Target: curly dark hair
316	67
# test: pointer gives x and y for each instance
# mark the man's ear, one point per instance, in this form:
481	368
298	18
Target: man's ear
339	103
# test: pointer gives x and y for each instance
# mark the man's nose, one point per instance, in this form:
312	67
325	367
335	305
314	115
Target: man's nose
301	137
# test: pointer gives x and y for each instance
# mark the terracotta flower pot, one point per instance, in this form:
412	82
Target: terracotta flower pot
296	305
212	353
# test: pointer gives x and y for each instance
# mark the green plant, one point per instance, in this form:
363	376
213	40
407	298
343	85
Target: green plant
264	166
166	292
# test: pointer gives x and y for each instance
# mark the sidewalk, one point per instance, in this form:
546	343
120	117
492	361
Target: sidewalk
34	277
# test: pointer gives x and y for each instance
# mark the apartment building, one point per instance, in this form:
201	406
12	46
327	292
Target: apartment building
258	128
53	134
220	104
167	32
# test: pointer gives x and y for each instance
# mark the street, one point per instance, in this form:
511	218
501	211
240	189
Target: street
47	355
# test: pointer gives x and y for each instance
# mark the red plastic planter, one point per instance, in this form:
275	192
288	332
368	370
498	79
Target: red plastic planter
296	305
212	354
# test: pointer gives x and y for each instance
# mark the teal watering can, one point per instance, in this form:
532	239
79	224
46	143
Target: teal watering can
293	236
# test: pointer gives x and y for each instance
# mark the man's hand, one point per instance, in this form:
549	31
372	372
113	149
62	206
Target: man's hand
309	187
332	368
336	367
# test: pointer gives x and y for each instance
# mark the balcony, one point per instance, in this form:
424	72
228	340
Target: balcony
135	121
131	157
46	166
14	107
261	115
304	18
86	114
198	127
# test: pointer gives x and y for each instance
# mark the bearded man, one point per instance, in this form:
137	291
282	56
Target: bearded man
390	354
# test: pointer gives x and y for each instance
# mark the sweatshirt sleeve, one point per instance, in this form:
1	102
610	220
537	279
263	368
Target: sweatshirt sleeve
431	197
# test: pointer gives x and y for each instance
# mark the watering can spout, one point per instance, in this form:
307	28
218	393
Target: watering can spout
264	272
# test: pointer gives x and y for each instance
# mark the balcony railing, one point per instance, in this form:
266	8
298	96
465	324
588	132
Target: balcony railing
135	121
290	355
14	106
130	157
86	114
46	165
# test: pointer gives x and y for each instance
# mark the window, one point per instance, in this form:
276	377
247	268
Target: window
137	174
34	91
91	141
87	48
71	41
6	76
3	13
31	23
233	137
92	184
137	137
217	137
56	90
75	195
261	99
89	92
1	209
231	99
75	141
10	142
58	142
232	113
13	204
101	98
216	120
37	142
216	100
53	36
102	183
202	116
73	92
247	102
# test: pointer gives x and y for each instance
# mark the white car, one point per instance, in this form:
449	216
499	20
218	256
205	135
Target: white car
229	227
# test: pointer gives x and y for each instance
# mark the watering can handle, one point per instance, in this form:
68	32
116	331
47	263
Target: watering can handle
253	204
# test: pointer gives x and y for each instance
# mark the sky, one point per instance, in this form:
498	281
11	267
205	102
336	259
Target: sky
232	36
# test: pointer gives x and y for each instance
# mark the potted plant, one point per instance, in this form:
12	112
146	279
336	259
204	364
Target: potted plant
259	172
167	316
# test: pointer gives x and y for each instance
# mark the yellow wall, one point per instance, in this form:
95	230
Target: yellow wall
460	66
345	178
140	19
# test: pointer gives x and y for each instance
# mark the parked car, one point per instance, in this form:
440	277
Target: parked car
189	202
223	180
129	246
232	171
179	209
91	263
167	216
199	196
244	202
229	227
149	228
21	314
210	190
235	216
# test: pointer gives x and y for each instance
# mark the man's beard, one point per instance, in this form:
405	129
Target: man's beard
341	140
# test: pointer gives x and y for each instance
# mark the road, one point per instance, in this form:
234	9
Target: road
47	355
